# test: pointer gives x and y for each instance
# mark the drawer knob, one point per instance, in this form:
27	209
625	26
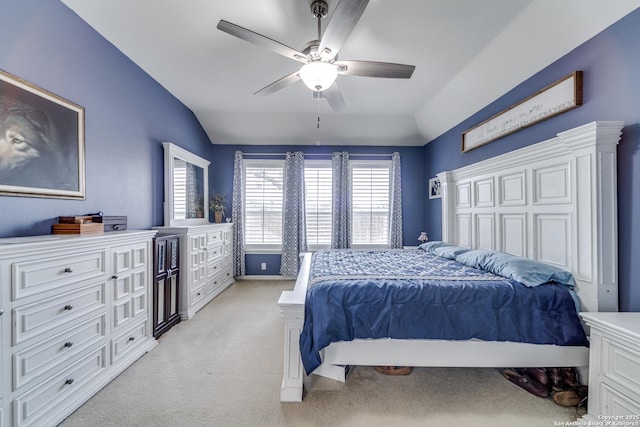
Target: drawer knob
69	381
1	311
68	307
68	344
114	277
132	338
68	270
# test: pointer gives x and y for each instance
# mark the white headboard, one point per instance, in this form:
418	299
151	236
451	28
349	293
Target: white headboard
554	201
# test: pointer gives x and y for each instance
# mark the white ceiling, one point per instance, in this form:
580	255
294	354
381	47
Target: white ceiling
467	53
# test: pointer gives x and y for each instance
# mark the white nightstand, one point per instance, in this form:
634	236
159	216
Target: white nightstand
614	366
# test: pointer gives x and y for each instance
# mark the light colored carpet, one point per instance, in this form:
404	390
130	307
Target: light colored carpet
224	368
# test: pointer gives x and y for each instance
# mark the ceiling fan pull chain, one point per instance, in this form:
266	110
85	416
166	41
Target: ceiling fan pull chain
318	112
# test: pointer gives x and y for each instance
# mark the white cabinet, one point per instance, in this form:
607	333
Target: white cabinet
76	315
206	263
614	367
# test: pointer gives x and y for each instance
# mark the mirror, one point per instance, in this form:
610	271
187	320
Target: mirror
186	187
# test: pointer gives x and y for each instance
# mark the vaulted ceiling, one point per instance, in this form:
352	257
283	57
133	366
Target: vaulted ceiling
467	53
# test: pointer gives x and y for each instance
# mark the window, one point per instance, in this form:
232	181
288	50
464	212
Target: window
370	203
263	204
370	181
318	185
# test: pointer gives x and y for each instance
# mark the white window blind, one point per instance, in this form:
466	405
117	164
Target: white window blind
370	203
318	184
179	189
263	203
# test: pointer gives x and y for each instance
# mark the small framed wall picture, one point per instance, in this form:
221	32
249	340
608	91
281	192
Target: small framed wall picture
434	188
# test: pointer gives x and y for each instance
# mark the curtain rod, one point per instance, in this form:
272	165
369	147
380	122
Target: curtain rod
316	154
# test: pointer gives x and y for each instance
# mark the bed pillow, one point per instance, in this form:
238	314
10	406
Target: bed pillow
430	246
526	271
449	251
474	258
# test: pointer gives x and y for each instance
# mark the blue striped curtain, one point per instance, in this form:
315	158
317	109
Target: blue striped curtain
294	228
237	215
341	209
395	225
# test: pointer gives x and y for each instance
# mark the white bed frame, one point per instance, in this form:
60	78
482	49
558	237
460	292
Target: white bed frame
554	201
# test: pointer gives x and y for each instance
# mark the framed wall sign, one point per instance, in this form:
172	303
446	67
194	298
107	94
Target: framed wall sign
41	142
554	99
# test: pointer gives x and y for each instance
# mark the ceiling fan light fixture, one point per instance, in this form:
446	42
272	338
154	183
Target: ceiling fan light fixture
318	75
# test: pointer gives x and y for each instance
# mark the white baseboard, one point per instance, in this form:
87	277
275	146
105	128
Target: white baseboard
264	277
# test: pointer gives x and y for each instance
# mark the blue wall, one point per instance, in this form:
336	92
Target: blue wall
611	65
413	186
127	115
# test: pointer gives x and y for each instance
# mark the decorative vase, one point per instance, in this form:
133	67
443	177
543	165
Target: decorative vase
217	216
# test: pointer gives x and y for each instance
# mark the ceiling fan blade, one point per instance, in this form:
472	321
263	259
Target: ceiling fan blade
344	19
334	98
375	69
279	84
260	40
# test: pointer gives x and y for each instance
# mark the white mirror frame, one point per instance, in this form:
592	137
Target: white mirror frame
171	152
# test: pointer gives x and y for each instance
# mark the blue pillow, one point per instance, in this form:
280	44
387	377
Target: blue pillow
449	251
526	271
474	258
430	246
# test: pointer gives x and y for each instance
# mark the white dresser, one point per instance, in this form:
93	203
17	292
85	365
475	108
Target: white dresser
614	367
206	263
76	314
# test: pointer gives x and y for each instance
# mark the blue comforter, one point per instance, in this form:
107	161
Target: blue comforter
413	294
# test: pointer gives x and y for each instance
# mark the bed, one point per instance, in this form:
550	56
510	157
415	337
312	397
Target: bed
553	202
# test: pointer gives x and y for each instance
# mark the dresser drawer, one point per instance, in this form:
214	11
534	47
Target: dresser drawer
612	402
197	295
621	368
214	283
30	407
56	353
129	340
33	277
214	252
48	314
227	276
214	237
214	268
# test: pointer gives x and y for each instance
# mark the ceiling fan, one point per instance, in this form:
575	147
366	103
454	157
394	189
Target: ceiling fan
320	57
